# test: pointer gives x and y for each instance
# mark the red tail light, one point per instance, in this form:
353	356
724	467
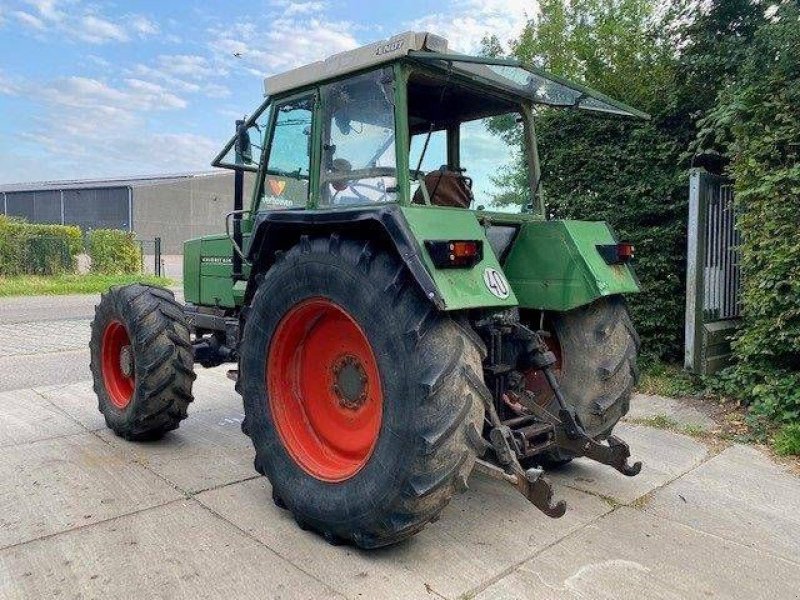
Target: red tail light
617	254
455	253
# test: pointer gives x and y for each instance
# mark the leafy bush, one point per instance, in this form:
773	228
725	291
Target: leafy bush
36	249
114	252
757	123
787	441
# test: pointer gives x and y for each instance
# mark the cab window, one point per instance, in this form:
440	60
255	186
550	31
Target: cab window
286	178
358	147
492	154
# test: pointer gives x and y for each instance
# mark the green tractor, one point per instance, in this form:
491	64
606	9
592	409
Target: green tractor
399	308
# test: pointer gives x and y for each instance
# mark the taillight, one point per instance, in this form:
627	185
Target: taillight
616	254
455	253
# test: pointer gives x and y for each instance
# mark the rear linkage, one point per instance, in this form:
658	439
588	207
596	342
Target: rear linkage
532	434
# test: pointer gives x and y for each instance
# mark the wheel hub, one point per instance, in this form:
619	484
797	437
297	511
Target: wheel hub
324	389
117	364
126	361
350	382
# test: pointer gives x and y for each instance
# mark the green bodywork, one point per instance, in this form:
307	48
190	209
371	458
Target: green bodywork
555	265
207	272
550	265
459	288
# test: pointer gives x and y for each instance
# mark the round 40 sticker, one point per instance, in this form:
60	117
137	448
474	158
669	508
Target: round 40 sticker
496	283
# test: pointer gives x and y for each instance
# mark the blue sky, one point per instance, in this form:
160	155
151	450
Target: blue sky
103	88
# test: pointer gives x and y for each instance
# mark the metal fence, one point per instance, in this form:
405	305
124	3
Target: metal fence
713	279
152	260
35	255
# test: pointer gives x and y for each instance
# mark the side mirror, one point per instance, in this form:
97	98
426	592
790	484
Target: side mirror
243	147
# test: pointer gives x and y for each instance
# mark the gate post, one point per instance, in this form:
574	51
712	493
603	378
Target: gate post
695	266
157	256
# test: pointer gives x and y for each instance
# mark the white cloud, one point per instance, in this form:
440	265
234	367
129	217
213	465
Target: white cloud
81	21
7	86
99	96
277	45
466	22
97	30
89	127
28	19
184	73
290	9
47	9
143	26
186	65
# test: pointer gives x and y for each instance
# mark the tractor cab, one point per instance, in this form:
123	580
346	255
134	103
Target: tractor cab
403	121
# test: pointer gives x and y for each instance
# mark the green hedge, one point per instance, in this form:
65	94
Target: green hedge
114	252
34	249
758	123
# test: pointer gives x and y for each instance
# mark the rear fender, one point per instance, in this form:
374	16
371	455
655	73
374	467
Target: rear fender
404	229
555	265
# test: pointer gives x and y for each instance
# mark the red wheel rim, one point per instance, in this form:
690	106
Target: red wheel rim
535	381
325	391
117	361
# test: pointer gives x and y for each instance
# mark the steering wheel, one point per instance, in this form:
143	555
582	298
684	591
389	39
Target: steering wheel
384	195
344	178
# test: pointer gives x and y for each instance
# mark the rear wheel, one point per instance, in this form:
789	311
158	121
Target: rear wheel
141	361
361	399
596	347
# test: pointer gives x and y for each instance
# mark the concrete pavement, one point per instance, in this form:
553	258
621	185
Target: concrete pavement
84	514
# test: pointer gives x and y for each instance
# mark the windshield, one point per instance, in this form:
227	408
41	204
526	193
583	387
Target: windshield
358	147
534	84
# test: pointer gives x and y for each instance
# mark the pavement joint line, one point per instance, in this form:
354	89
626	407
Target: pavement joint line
432	591
48	536
45	389
45	439
619	504
471	593
249	535
758	549
53	320
133	458
190	496
711	453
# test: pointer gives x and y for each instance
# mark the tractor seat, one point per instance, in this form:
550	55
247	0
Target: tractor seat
444	188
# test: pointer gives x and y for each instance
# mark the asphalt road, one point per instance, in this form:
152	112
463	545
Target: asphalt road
44	340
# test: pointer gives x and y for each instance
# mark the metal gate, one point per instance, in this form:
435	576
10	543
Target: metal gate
713	278
150	254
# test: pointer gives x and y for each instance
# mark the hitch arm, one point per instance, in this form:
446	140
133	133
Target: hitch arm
615	453
530	483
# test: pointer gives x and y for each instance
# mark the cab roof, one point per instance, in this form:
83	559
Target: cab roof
511	75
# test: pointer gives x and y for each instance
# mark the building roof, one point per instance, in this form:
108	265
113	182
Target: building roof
86	184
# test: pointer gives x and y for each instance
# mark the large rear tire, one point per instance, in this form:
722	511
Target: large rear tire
141	361
596	346
362	401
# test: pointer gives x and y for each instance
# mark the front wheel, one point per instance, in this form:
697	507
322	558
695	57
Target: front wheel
141	361
362	401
